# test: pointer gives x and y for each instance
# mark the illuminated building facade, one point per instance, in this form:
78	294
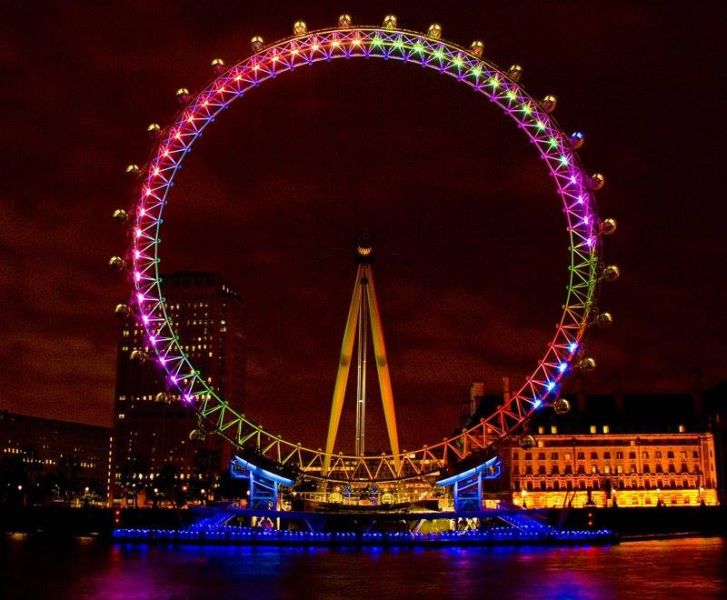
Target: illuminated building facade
151	426
621	450
604	469
73	455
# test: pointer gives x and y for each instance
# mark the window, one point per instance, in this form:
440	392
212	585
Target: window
516	456
657	454
553	456
593	429
553	429
541	470
606	455
594	455
555	470
594	469
567	456
619	455
645	455
606	469
528	470
541	430
606	429
632	455
541	455
581	456
528	456
670	454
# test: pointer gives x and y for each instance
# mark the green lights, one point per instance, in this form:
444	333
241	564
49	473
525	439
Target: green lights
476	71
418	48
511	96
527	109
552	143
398	44
458	62
494	82
438	54
377	42
564	161
540	126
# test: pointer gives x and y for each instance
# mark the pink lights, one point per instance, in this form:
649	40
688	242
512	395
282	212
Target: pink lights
287	55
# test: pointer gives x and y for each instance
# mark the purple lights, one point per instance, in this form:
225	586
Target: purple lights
553	146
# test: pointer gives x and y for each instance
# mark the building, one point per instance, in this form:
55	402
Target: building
607	469
617	450
152	448
53	460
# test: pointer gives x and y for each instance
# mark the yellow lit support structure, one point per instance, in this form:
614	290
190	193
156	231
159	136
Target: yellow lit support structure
363	313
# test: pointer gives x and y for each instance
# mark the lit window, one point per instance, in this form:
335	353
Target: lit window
593	429
606	429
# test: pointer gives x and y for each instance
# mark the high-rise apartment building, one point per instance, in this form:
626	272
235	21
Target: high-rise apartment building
151	426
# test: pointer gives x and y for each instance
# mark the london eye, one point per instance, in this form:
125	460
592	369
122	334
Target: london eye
573	184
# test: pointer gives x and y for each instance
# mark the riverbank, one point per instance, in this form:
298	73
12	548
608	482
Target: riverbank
626	523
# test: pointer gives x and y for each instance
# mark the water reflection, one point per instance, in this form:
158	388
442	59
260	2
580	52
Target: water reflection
36	568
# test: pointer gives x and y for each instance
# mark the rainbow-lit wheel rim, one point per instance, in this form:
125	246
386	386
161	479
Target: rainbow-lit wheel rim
554	146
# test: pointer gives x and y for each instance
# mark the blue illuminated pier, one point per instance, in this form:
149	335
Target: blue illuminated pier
504	528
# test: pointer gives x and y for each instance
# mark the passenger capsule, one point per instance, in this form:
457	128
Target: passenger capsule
300	28
120	216
611	273
435	31
257	43
597	181
345	21
604	319
477	48
608	227
561	406
154	130
515	72
133	170
390	21
197	436
587	364
183	95
162	397
122	310
577	139
218	65
549	103
116	263
526	442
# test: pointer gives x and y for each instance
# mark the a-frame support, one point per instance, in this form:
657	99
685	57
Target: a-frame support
362	313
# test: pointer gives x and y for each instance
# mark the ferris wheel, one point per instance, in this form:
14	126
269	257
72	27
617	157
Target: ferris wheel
467	65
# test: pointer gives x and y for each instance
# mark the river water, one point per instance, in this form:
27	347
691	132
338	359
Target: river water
88	568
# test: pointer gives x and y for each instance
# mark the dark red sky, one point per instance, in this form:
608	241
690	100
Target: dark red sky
471	265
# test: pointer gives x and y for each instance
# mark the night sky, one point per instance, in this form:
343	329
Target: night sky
470	239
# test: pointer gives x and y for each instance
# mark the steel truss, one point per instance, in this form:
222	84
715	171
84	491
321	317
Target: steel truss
387	43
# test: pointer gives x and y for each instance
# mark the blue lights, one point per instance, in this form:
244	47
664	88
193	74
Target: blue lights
562	367
573	347
523	532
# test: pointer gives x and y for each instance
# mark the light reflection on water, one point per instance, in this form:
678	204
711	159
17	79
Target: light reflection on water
689	568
